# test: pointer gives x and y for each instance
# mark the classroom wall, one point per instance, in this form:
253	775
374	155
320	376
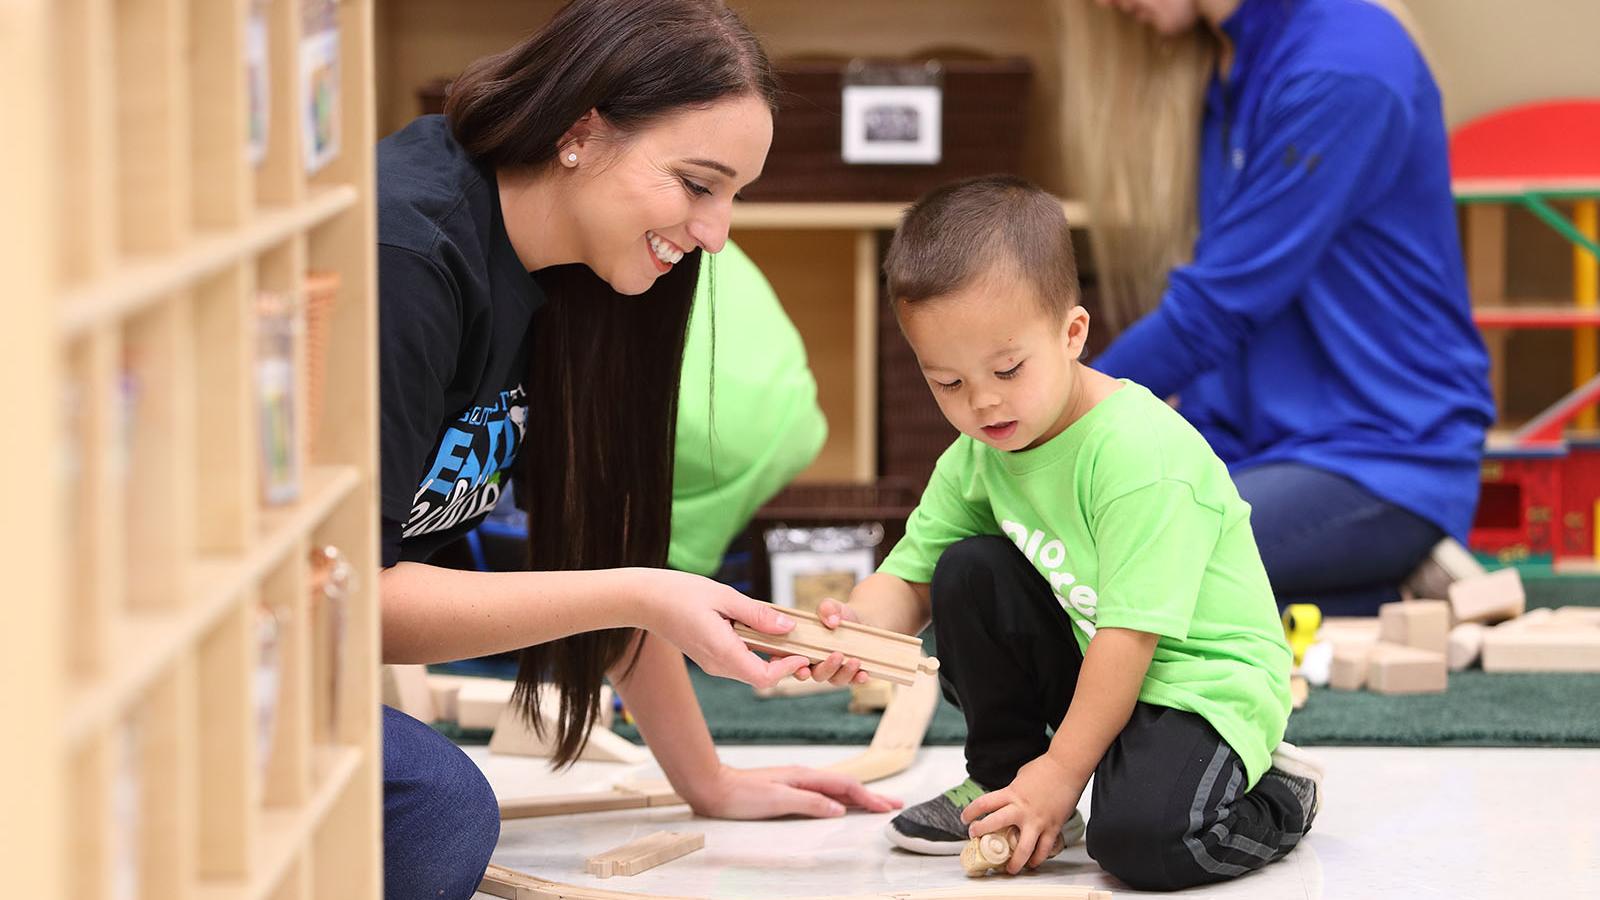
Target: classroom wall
1495	53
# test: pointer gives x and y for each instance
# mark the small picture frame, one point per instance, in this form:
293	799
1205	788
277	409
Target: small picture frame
319	97
278	329
258	82
892	124
809	565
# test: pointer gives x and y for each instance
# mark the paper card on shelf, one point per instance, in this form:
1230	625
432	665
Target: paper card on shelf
319	97
258	83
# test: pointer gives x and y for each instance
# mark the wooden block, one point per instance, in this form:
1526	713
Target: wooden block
1533	618
446	701
1299	692
884	654
1397	669
1466	645
1489	598
1549	646
645	853
1349	630
515	736
1447	563
1349	669
1423	624
480	702
872	697
406	688
1589	615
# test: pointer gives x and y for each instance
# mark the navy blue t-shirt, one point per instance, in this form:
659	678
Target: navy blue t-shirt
455	307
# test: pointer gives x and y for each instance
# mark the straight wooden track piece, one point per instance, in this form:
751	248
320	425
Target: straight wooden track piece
645	853
884	654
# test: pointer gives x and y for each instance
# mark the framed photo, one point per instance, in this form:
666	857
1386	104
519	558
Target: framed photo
802	579
319	97
278	327
892	124
258	81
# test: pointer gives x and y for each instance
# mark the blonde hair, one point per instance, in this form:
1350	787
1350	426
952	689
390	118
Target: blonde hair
1133	102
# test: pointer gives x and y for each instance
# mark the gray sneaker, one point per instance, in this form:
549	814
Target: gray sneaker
1301	772
934	827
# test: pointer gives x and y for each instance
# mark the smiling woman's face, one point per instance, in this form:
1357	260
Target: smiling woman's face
646	200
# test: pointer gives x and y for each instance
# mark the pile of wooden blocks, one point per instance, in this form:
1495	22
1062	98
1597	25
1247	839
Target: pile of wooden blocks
1418	642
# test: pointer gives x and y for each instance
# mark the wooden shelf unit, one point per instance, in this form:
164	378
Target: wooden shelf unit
137	235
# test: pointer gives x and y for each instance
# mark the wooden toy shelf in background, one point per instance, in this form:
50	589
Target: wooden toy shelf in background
137	235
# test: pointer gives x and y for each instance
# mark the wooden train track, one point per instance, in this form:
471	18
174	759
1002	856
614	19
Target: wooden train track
884	654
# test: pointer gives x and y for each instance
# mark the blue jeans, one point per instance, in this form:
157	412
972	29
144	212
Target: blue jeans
440	818
1329	541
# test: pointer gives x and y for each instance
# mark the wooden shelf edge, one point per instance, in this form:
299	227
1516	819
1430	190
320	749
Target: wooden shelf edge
1549	317
284	832
1511	190
150	642
848	216
139	283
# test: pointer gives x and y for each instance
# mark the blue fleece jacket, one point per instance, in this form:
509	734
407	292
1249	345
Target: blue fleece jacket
1324	319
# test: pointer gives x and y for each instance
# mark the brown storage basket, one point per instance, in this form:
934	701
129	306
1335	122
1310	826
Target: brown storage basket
984	119
911	430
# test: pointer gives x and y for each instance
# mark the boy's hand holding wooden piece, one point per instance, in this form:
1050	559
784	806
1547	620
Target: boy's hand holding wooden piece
1037	803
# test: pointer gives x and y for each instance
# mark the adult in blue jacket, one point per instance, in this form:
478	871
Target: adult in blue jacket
1320	336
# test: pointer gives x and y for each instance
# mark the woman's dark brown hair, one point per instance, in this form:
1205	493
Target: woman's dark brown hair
596	473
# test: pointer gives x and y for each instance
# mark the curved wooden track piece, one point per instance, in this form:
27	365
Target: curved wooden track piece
510	884
893	749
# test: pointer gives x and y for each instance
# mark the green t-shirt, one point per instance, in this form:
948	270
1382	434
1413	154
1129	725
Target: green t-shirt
748	421
1136	524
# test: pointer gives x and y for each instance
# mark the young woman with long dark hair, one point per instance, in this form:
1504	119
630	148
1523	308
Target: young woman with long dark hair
539	249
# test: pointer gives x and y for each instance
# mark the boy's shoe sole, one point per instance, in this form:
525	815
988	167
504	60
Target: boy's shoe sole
924	846
1295	762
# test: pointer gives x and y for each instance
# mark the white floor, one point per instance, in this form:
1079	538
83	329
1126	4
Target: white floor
1411	823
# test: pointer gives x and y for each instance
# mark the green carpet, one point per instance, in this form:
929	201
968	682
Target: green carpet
1479	710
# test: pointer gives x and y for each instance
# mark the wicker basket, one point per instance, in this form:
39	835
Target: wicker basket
984	124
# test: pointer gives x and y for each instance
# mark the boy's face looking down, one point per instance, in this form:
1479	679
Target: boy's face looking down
1002	368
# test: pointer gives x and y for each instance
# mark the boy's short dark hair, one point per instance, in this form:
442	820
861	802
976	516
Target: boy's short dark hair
963	230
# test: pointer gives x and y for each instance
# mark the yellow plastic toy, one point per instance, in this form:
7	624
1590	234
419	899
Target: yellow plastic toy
1300	624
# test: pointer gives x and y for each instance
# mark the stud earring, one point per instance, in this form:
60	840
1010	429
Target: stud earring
572	157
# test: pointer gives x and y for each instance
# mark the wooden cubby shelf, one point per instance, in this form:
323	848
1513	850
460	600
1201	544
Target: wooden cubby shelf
140	284
182	664
148	643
